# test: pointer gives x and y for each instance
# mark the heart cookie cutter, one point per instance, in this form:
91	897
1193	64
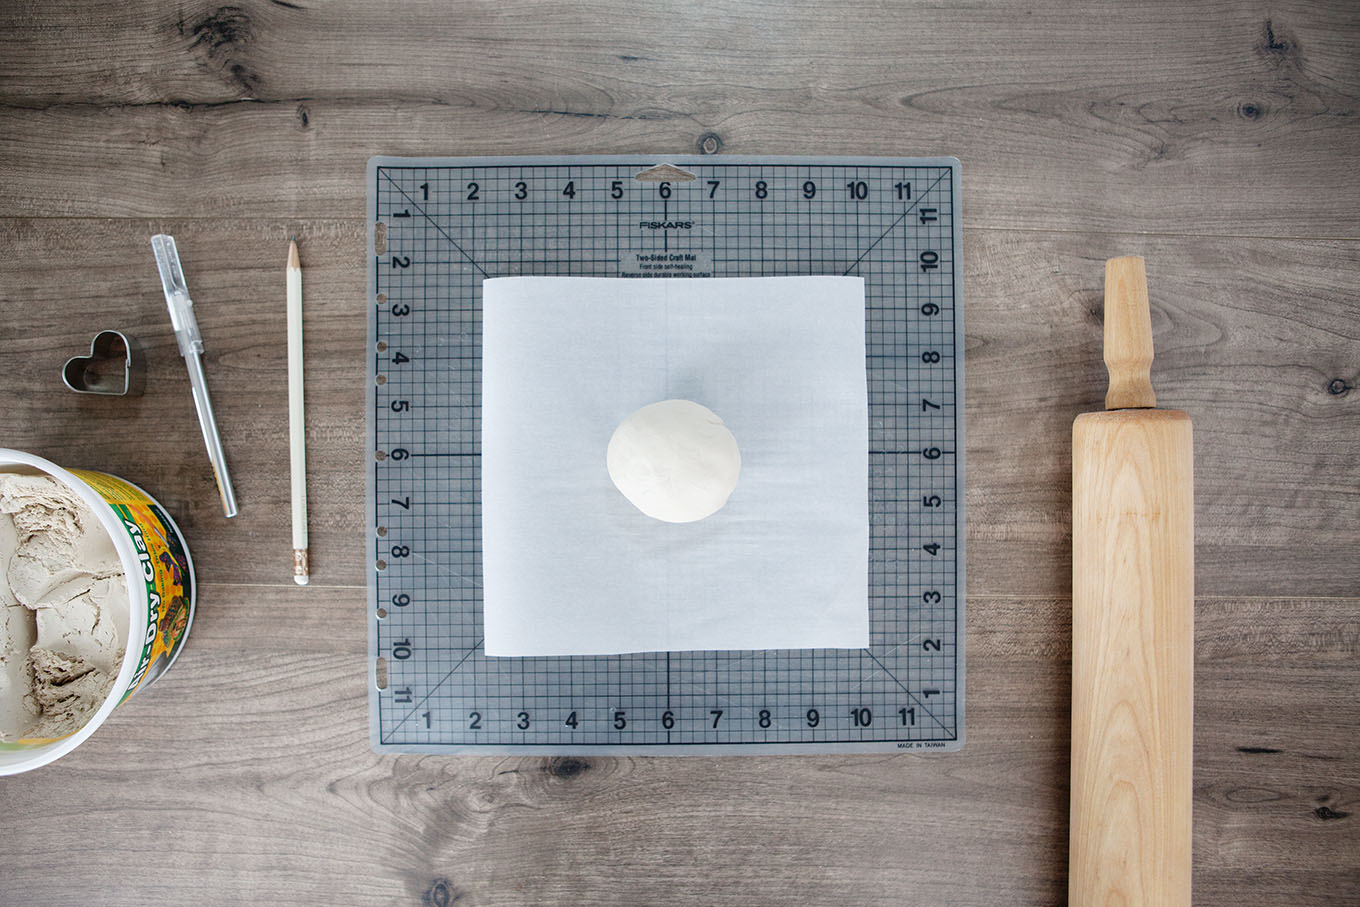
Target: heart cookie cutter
110	369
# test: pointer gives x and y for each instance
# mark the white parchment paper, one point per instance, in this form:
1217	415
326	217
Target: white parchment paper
570	567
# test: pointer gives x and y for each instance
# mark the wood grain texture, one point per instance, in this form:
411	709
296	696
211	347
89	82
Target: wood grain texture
1058	124
1215	140
1128	335
1133	636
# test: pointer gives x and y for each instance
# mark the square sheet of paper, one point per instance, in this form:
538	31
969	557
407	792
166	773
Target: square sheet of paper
570	567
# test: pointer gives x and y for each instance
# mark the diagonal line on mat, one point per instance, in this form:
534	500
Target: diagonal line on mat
441	230
441	682
908	692
891	227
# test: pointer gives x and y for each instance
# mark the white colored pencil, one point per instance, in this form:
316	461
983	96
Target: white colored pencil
297	425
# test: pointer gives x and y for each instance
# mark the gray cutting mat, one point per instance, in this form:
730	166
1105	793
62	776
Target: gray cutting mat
438	227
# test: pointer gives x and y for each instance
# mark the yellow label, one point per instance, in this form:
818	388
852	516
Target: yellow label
164	571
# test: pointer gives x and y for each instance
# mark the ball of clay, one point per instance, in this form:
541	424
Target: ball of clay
675	460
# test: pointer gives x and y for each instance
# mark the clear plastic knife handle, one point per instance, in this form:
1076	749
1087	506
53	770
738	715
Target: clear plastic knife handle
177	295
191	348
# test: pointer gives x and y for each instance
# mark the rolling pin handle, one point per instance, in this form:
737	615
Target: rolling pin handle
1128	335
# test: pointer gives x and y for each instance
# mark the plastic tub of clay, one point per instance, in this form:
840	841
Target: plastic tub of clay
57	643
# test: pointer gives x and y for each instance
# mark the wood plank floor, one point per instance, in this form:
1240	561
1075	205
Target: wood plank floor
1219	139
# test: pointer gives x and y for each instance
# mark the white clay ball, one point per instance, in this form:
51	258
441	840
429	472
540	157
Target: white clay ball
675	461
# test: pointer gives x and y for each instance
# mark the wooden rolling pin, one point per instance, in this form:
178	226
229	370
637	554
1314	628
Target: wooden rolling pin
1133	584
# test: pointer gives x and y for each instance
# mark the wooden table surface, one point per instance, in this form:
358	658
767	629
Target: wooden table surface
1221	140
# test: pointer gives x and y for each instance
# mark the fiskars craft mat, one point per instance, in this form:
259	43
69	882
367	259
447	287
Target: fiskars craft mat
438	227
